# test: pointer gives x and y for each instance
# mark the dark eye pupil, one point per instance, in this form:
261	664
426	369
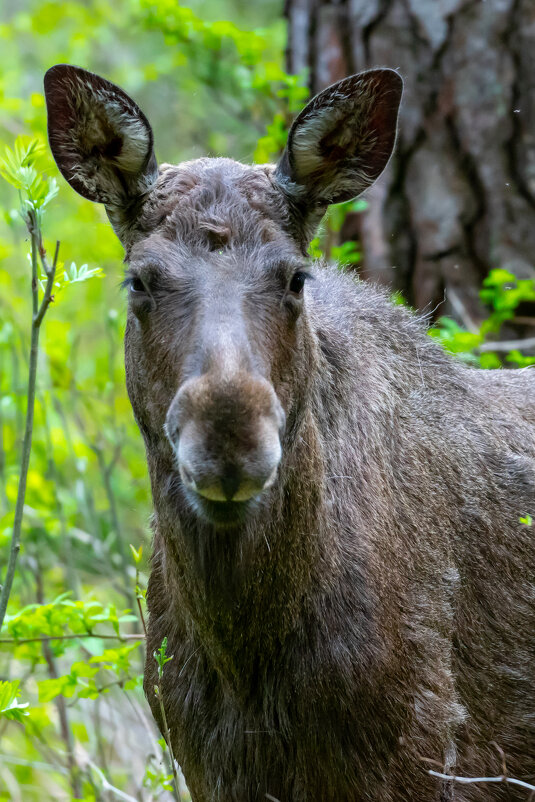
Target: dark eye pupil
137	285
297	283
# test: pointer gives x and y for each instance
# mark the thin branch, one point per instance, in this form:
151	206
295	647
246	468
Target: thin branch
33	764
47	297
139	599
167	736
107	470
115	683
4	501
59	702
508	345
101	749
142	617
38	314
523	320
107	786
461	310
470	780
45	638
150	727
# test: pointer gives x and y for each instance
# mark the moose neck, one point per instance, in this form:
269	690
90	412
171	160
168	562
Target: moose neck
217	579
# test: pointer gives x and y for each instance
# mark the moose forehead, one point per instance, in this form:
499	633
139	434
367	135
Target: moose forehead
214	204
104	146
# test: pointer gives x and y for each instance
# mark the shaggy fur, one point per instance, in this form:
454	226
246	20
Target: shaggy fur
375	608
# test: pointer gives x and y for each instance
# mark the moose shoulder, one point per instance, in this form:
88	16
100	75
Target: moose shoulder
338	564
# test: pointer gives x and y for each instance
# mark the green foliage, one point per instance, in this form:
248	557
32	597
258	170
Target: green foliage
503	293
137	554
71	647
71	683
155	778
75	275
161	658
456	339
81	678
244	65
10	708
65	618
324	245
18	167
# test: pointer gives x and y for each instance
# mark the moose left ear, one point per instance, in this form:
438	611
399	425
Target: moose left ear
101	140
342	141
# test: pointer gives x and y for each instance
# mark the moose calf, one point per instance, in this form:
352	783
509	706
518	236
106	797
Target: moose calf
338	566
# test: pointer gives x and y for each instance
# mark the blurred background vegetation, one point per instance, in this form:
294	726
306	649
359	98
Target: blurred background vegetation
212	79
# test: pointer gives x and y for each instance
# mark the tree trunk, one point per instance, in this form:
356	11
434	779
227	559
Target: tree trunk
458	197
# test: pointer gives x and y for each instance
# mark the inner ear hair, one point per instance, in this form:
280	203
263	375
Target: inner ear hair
101	140
342	140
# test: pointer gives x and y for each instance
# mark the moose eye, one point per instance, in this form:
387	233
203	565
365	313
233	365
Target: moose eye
298	282
136	286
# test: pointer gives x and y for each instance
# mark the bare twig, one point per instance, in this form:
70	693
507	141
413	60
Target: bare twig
523	320
142	617
139	594
106	471
470	780
4	502
32	764
161	659
461	310
38	313
45	638
508	345
103	760
107	786
59	702
167	736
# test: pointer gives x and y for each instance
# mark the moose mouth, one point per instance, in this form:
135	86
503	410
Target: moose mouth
222	514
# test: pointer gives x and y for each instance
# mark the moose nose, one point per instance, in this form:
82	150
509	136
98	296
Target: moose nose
226	437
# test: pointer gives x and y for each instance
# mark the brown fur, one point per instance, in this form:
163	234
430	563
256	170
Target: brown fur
374	608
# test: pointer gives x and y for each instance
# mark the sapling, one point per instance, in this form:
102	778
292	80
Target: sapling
161	659
35	192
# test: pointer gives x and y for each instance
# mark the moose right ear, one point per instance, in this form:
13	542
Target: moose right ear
101	140
340	143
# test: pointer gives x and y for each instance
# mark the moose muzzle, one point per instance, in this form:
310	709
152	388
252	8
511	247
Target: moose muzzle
226	436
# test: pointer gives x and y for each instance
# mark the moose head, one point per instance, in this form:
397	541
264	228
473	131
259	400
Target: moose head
217	348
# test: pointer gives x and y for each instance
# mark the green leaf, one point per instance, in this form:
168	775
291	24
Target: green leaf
9	706
161	657
18	167
489	360
521	361
50	688
83	273
136	554
118	659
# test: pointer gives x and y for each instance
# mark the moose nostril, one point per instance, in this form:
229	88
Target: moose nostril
230	482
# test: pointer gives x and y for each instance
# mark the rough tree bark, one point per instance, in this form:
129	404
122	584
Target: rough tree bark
459	196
